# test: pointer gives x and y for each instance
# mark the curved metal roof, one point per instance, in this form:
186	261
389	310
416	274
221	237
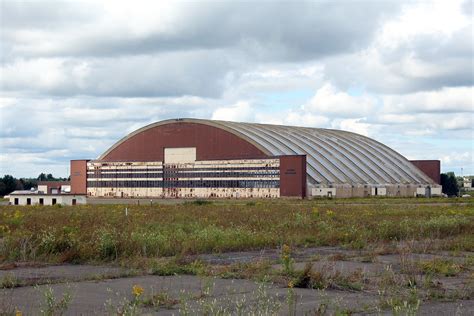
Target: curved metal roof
333	156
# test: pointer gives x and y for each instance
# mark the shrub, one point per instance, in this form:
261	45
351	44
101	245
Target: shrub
445	225
107	244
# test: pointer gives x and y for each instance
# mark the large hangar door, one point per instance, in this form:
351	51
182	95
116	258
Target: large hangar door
175	158
180	155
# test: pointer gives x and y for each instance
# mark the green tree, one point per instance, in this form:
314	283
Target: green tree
27	184
9	184
3	188
449	184
49	177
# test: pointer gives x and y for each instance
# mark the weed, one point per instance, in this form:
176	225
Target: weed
124	307
174	267
8	281
440	266
51	304
107	244
257	270
409	267
137	291
258	302
159	299
291	300
287	260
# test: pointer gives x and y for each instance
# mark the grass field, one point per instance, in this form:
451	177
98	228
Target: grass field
322	257
105	233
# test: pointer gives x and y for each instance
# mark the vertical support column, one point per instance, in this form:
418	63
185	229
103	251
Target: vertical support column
79	176
293	176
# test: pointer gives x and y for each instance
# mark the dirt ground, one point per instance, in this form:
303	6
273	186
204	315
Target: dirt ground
98	290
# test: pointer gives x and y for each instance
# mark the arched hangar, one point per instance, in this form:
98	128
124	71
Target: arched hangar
207	158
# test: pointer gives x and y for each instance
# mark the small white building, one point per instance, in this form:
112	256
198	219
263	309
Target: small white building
39	198
467	184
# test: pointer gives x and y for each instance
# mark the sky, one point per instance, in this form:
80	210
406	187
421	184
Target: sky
76	76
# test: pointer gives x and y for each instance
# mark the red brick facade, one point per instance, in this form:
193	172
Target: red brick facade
293	176
79	176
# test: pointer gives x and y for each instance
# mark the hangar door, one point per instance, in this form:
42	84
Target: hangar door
174	157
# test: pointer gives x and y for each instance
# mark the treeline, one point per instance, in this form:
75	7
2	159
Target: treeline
9	183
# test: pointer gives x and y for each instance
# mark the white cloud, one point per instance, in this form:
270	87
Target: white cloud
328	100
427	47
356	126
457	157
456	99
34	74
424	18
239	112
456	122
305	119
87	73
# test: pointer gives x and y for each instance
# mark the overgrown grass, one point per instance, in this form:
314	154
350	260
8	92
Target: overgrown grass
104	233
441	266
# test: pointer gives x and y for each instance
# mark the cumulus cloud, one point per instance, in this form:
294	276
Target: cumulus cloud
184	73
239	112
355	125
311	28
428	46
328	100
86	73
445	100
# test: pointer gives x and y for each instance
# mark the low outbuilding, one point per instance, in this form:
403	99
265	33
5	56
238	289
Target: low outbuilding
35	197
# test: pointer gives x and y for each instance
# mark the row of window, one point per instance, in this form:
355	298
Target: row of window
186	175
183	169
220	174
127	175
224	168
186	184
159	169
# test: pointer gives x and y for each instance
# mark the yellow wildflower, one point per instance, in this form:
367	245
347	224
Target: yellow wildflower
137	290
18	313
291	285
286	250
